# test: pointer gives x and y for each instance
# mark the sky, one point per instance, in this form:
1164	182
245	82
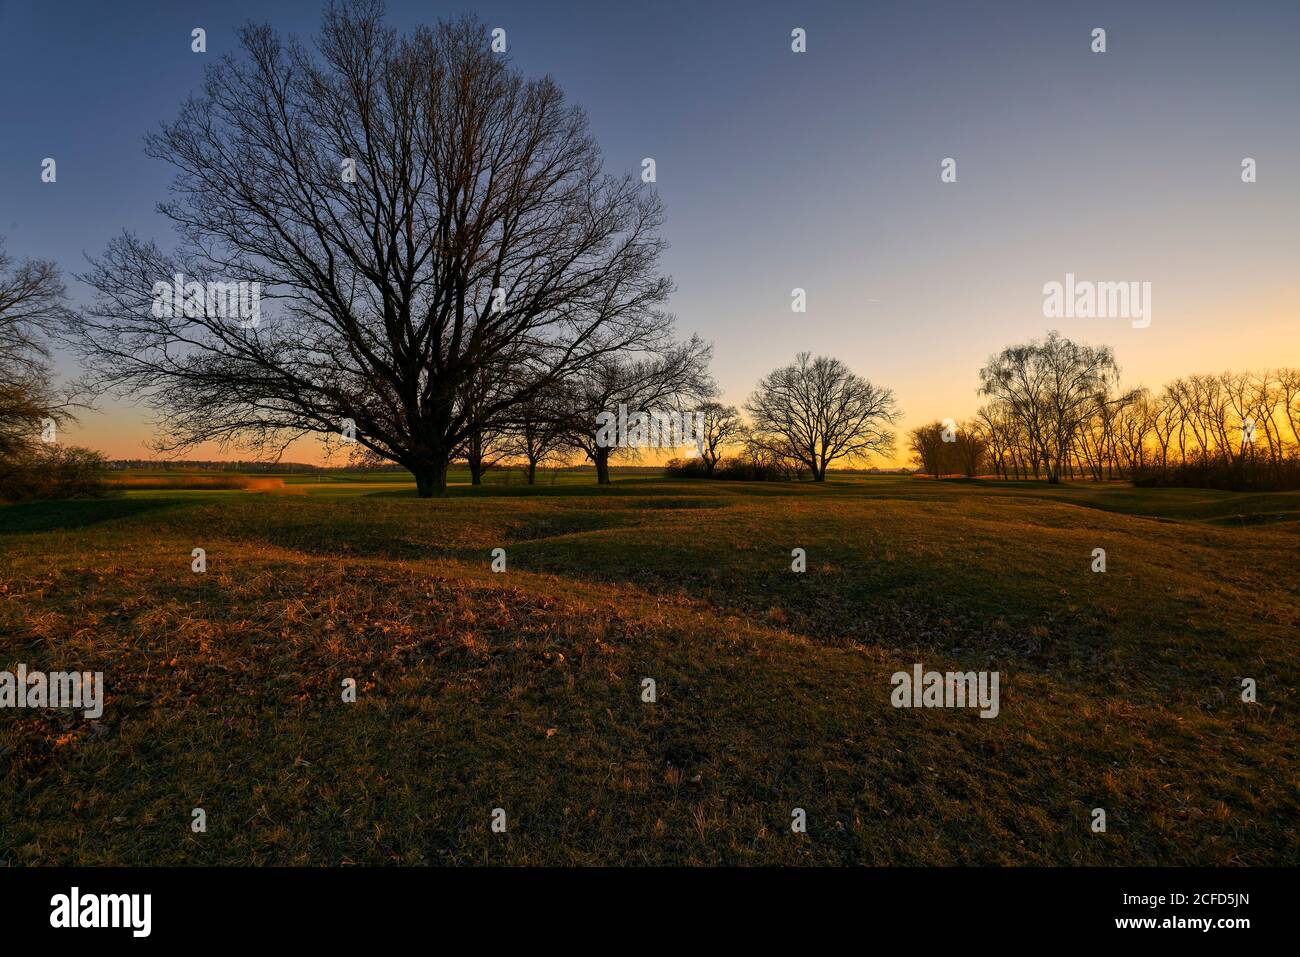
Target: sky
816	170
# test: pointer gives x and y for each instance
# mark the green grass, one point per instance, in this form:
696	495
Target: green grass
522	690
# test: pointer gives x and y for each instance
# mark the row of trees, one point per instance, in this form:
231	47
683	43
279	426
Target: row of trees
442	270
802	418
437	247
1057	411
445	270
561	421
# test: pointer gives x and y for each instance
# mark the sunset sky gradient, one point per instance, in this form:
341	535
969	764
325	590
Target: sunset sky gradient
818	170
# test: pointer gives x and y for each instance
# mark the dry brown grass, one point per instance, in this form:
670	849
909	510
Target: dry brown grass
522	690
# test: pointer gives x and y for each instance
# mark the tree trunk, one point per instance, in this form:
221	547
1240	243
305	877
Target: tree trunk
430	479
602	466
532	473
475	472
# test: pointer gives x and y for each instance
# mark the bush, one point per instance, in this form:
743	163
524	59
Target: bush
742	469
686	468
1258	477
746	469
53	472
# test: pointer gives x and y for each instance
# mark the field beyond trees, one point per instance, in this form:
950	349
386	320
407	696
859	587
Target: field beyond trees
522	690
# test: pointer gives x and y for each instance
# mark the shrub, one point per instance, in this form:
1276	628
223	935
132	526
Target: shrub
740	469
1281	476
686	468
53	472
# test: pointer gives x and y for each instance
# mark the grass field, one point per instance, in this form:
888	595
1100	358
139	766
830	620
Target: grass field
522	690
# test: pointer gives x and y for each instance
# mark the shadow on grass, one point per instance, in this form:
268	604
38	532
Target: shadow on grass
30	517
627	486
1274	509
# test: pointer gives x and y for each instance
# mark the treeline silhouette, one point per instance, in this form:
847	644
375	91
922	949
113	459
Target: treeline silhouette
1060	419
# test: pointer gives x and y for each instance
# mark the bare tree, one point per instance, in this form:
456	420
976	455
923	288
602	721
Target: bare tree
413	210
540	431
817	412
763	459
1051	386
1165	423
1265	396
723	427
487	441
658	383
926	444
1007	445
1289	398
940	449
970	447
25	401
1221	431
31	309
1135	420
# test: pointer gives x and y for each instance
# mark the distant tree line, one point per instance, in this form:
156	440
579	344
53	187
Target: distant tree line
212	465
1058	412
801	419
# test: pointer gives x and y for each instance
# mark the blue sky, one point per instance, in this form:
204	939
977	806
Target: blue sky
816	170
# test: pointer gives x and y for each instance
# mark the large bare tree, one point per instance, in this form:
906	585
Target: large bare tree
414	210
816	412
